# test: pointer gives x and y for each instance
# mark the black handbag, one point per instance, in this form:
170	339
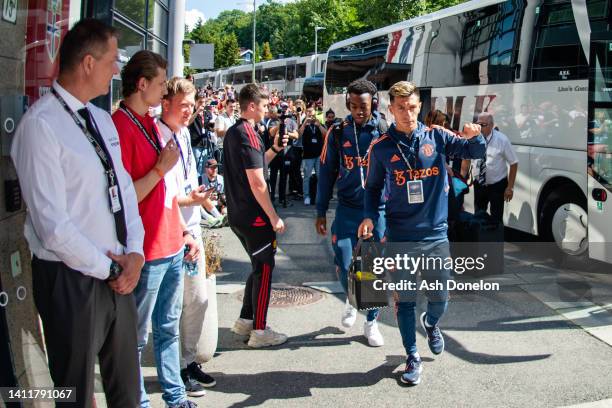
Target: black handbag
362	294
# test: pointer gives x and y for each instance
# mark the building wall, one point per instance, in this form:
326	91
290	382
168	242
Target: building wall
27	67
24	334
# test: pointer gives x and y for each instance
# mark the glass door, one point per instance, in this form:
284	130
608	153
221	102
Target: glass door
599	147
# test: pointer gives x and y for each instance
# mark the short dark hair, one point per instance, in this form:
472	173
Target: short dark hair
251	93
361	86
330	111
143	64
230	100
88	37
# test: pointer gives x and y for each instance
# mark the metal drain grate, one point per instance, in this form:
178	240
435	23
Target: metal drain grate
287	296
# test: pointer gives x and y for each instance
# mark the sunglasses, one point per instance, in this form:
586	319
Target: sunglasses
483	124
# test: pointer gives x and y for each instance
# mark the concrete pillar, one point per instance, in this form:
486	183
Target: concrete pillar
176	36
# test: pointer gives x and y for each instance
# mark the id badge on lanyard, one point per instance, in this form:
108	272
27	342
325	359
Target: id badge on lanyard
414	188
188	189
113	195
415	192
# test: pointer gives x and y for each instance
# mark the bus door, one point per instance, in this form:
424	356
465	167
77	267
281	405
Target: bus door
599	147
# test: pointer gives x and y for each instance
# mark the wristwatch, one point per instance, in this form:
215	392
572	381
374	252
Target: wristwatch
274	150
115	271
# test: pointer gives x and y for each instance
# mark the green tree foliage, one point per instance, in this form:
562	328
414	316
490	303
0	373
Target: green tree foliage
288	29
266	54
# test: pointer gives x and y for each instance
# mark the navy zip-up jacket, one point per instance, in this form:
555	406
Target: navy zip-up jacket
344	167
426	151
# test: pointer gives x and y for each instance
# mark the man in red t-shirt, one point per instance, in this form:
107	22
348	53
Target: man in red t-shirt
161	281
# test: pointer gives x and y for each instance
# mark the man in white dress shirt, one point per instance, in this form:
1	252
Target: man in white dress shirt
493	181
82	226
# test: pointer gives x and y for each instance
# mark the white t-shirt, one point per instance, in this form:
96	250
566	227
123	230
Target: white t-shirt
224	122
176	176
500	155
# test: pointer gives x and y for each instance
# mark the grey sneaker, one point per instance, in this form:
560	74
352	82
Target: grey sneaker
266	338
243	327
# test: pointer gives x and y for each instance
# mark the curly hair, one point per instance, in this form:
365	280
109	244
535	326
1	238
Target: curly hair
360	87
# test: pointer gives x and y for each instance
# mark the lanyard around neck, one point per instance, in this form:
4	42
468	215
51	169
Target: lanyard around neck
100	149
154	143
358	155
186	164
404	156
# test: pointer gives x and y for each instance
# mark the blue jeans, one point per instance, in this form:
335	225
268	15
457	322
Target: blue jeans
159	298
308	165
437	299
344	238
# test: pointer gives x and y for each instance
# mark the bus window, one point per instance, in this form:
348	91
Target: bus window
300	71
258	74
290	72
274	74
242	77
558	52
363	60
488	51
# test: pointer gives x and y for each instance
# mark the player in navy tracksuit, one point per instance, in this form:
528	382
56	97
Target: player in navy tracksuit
408	163
343	161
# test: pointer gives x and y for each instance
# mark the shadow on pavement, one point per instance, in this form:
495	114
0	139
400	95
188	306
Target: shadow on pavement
285	385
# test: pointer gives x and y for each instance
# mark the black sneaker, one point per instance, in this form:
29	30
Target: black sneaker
195	371
192	387
435	339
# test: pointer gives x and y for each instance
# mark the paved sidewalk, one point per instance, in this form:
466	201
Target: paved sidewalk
508	349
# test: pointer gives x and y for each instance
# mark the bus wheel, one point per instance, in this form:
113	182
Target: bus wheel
564	222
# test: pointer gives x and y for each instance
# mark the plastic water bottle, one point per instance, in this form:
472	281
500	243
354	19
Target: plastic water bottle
190	267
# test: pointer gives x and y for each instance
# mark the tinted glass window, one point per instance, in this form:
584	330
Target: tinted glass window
300	71
158	47
274	74
158	19
242	77
366	59
133	9
488	51
130	41
290	72
558	53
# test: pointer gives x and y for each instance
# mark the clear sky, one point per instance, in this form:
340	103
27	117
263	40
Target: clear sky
206	9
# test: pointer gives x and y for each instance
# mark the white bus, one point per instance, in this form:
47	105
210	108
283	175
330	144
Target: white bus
541	68
286	74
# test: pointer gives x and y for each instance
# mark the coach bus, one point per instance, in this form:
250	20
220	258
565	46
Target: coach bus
286	74
541	68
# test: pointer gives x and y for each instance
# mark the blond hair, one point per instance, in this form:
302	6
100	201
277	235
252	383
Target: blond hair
178	85
403	89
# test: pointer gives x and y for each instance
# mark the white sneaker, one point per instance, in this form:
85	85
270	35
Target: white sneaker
266	338
243	327
371	332
349	315
307	201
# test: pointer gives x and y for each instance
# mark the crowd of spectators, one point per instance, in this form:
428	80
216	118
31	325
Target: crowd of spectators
290	173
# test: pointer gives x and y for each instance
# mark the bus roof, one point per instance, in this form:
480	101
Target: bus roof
450	11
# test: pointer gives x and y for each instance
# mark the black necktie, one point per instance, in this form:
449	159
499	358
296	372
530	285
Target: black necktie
120	226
